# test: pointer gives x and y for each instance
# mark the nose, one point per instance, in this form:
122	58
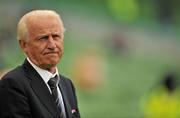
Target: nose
51	43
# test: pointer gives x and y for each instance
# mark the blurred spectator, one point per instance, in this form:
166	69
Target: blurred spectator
164	101
89	70
164	11
118	42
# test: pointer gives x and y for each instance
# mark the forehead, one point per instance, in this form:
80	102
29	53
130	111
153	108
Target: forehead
43	24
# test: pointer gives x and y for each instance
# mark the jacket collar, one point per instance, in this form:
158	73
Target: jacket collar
40	88
65	97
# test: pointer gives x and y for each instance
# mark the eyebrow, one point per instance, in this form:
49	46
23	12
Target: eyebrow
53	33
56	33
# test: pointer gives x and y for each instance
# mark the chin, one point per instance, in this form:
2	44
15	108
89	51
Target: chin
53	63
49	66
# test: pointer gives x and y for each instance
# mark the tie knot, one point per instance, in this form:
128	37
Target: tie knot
53	82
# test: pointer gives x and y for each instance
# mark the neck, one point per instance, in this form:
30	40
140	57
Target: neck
52	70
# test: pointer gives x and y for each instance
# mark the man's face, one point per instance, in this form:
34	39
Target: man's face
45	45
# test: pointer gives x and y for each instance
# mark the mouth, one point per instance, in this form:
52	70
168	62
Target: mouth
49	53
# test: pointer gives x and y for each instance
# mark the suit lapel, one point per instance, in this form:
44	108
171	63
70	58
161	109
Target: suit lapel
40	88
65	99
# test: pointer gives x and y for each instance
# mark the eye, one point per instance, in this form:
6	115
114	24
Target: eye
43	38
56	36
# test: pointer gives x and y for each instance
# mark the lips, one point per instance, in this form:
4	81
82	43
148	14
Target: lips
46	53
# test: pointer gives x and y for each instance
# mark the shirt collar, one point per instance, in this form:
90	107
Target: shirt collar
46	75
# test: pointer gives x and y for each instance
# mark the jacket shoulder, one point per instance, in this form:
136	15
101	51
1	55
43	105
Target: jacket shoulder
15	73
13	78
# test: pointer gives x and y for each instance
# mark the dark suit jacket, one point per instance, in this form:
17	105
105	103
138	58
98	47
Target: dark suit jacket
24	94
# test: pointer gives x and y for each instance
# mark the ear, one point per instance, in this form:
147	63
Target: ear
23	44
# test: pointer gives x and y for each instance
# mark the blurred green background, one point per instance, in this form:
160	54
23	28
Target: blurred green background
116	51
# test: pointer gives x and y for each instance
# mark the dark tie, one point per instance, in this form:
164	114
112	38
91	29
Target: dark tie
53	82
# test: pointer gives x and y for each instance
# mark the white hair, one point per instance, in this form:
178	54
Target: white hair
22	29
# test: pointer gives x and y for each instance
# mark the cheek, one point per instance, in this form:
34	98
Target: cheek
35	54
35	50
60	46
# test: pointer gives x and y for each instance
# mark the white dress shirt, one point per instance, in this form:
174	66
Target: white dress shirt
46	75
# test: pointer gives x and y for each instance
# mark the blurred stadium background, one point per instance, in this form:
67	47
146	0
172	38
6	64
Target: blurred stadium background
116	51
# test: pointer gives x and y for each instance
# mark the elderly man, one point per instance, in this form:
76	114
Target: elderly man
36	89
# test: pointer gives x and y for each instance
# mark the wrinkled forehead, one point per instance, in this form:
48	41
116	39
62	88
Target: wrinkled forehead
45	22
